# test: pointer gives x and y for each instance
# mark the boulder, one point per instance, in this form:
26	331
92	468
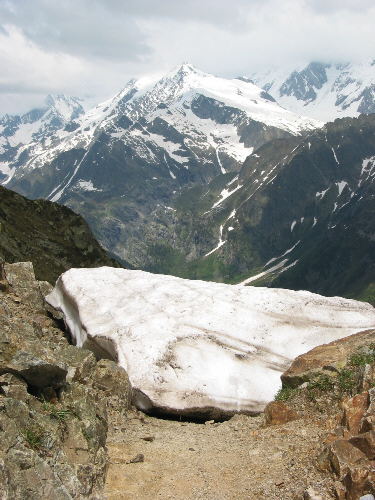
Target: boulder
325	359
38	372
277	413
113	380
368	420
366	443
340	456
354	411
358	481
21	279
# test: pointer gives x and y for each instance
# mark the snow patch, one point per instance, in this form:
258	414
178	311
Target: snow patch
189	345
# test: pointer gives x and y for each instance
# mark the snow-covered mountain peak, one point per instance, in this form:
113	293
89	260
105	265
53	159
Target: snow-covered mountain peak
185	83
67	107
324	91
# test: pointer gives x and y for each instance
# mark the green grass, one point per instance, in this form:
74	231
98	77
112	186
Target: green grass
285	393
59	414
33	436
364	356
347	381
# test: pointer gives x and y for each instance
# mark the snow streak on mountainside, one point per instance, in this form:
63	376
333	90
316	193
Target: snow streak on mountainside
323	91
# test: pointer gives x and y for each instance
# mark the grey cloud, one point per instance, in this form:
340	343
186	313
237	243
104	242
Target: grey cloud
84	28
94	46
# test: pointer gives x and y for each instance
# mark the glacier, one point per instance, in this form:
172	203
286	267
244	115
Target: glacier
199	348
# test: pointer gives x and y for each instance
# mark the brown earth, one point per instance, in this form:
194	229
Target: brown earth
237	459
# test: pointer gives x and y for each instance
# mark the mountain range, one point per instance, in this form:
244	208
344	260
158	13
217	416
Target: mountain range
205	177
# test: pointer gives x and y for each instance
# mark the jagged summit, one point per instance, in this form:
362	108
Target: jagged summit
323	90
68	107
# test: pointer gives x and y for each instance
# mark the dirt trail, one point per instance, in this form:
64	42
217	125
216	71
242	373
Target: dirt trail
237	459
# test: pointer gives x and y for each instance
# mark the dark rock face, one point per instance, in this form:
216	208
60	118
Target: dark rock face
303	84
52	236
53	400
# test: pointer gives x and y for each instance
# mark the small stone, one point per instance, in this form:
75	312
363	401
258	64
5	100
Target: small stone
311	494
367	497
148	438
137	459
191	449
209	422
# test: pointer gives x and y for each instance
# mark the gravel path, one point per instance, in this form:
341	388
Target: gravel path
237	459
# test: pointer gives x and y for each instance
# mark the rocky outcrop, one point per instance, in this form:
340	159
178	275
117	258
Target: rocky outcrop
53	237
351	459
326	359
342	373
54	400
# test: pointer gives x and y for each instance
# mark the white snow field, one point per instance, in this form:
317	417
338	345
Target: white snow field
199	348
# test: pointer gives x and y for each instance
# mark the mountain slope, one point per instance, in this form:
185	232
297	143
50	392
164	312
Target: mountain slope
323	91
298	215
20	136
51	236
128	158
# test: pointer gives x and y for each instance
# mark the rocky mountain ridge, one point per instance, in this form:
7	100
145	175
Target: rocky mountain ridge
127	158
158	173
51	235
323	91
21	134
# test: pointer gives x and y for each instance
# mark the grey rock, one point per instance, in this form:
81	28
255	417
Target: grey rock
22	280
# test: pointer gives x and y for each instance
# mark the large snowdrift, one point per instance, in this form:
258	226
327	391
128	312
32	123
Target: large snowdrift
199	348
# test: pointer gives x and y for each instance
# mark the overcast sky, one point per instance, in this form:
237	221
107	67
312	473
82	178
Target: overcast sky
91	48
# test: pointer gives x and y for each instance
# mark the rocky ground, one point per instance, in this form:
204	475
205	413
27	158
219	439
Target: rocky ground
316	443
237	459
67	429
53	399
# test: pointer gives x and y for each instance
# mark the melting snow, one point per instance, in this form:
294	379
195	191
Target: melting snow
87	186
225	194
334	154
220	244
285	253
341	186
193	345
321	194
